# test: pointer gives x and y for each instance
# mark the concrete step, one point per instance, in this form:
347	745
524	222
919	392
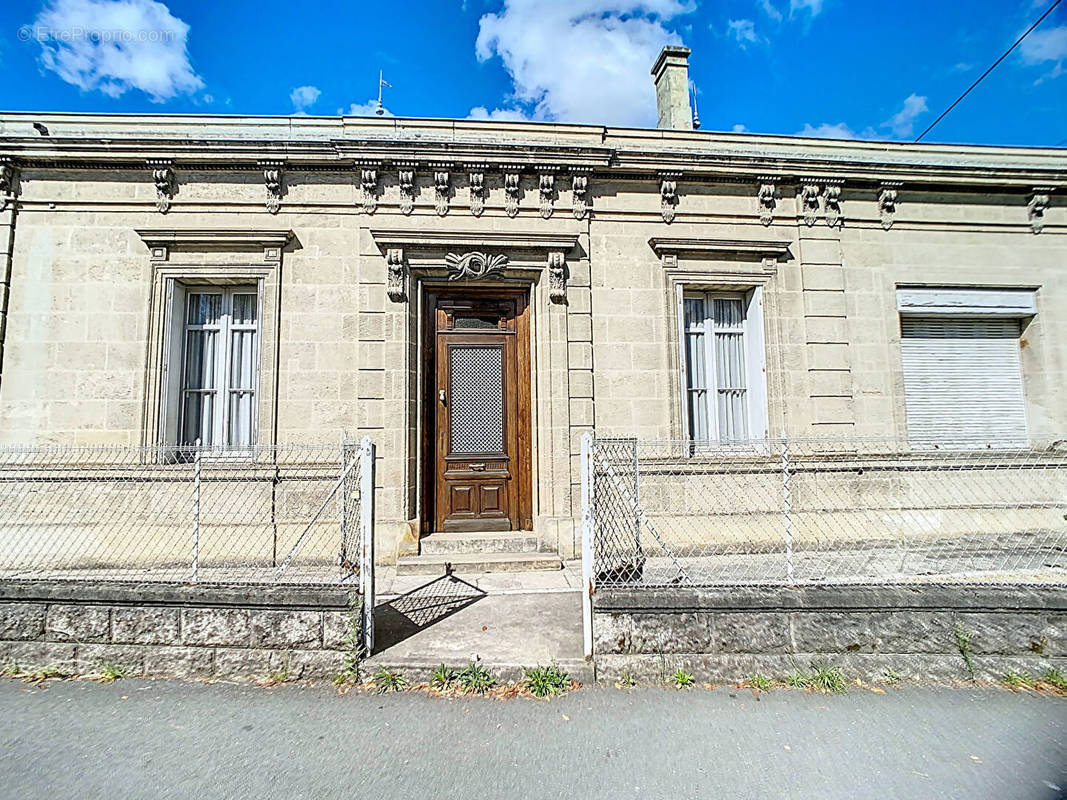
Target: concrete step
437	544
475	563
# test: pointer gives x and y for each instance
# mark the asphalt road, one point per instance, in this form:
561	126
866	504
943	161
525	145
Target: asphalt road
156	739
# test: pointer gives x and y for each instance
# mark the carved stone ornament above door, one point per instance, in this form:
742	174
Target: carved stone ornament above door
472	266
429	255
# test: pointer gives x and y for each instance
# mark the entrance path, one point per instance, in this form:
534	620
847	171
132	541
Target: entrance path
158	739
505	621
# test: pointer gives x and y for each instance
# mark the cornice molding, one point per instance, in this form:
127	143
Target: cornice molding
517	241
682	245
160	242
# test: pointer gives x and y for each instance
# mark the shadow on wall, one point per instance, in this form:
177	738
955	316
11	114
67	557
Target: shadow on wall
406	615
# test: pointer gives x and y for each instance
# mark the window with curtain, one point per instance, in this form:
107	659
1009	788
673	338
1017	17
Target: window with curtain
715	365
219	367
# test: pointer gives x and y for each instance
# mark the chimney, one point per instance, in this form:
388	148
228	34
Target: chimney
671	76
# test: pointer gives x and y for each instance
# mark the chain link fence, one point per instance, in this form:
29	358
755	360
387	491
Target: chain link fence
819	511
294	514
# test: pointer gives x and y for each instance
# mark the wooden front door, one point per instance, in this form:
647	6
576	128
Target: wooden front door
478	411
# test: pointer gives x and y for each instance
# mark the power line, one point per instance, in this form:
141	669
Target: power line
995	63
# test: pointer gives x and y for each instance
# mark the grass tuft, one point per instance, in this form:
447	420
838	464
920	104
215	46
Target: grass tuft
546	681
42	674
627	680
682	679
111	672
963	644
827	678
890	676
389	680
760	683
442	678
1018	680
475	679
1055	679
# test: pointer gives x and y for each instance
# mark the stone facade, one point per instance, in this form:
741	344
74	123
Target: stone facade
343	222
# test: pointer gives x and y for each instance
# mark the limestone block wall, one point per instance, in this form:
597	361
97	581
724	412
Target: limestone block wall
175	632
729	635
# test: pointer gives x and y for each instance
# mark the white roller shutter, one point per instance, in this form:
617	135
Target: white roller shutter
963	380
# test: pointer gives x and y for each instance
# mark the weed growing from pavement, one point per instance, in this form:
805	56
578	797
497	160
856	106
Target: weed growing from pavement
353	644
682	679
389	680
442	678
758	682
826	678
1055	679
891	676
281	674
1018	680
798	680
111	672
963	643
544	681
42	674
11	669
627	680
475	679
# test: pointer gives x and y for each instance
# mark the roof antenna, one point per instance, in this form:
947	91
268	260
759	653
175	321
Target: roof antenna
380	111
696	114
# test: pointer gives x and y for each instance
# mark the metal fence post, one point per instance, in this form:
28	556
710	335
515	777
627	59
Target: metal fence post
196	513
787	507
366	540
588	507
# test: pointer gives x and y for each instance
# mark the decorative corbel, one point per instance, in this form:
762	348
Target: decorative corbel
477	189
808	201
767	199
887	204
406	175
546	187
442	189
557	276
273	175
1035	208
397	289
831	199
668	193
580	191
512	189
163	178
8	181
368	182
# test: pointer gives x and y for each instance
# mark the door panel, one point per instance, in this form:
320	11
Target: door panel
478	412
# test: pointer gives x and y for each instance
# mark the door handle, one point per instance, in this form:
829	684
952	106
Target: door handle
477	467
441	396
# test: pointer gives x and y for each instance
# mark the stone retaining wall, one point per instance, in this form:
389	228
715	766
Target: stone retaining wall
727	634
201	632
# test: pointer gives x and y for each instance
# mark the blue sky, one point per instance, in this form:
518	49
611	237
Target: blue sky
842	68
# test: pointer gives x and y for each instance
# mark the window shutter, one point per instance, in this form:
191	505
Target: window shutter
963	380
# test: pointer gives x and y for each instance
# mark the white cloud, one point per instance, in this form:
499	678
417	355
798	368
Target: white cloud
814	7
481	112
739	128
1042	46
744	31
903	122
303	97
770	10
828	131
117	45
368	109
583	60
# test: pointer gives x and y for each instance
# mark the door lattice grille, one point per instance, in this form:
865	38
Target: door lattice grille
477	401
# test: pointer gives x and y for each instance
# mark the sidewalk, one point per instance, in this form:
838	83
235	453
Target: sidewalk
142	739
505	621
